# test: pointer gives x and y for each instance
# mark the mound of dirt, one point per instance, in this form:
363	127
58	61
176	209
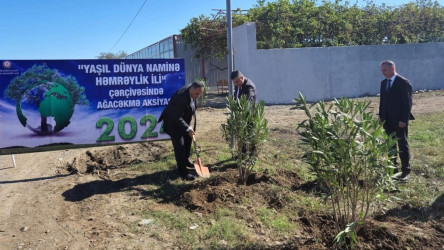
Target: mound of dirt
223	190
394	233
120	156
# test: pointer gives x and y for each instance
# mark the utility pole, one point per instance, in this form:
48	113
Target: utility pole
230	57
230	47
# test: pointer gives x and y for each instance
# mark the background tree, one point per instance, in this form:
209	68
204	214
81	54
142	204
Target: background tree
207	36
303	23
111	55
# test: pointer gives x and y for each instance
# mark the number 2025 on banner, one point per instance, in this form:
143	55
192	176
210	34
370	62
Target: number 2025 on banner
109	123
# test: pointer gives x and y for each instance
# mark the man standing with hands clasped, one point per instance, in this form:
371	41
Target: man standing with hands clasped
395	110
244	86
176	119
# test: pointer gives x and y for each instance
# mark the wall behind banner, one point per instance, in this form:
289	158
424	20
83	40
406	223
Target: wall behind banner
332	72
78	102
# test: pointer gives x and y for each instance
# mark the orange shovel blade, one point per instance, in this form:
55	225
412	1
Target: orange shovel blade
201	170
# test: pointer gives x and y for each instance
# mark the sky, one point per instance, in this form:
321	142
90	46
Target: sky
82	29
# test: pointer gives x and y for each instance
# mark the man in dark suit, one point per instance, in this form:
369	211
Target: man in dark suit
395	110
243	86
176	119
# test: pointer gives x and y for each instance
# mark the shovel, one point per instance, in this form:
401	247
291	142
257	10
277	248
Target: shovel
201	170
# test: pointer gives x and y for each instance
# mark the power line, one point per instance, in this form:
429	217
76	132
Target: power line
143	4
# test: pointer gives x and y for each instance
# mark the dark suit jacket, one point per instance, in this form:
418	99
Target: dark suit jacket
248	89
396	104
177	115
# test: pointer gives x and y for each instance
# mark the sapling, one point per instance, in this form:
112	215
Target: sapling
348	152
246	127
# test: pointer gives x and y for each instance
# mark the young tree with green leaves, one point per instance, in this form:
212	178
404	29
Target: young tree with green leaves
247	127
348	152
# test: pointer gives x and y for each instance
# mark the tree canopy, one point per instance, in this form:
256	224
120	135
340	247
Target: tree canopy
207	36
111	55
304	23
39	74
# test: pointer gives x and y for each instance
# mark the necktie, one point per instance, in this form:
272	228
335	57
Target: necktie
192	104
388	84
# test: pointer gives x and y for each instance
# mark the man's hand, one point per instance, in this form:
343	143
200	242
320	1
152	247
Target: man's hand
191	132
402	124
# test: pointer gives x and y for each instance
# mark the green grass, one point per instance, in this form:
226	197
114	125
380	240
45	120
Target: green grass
176	224
265	215
228	230
427	142
272	219
166	162
277	221
222	226
426	139
284	152
281	224
420	191
222	213
311	202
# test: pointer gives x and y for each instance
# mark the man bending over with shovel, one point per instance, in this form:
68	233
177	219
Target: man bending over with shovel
176	119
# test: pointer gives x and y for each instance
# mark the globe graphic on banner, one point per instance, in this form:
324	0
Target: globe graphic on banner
44	103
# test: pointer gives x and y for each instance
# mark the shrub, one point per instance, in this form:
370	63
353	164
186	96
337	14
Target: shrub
348	152
247	129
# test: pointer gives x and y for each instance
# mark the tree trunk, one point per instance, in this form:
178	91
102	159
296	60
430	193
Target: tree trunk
43	124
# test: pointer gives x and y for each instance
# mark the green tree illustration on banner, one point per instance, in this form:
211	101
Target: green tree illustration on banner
53	94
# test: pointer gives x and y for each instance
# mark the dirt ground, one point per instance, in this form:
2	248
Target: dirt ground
89	198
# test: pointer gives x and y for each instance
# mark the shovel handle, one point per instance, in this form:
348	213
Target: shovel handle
195	147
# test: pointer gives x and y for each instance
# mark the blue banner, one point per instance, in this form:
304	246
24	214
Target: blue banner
47	102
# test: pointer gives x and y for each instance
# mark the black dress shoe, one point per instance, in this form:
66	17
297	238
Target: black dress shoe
396	176
404	177
188	177
190	164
